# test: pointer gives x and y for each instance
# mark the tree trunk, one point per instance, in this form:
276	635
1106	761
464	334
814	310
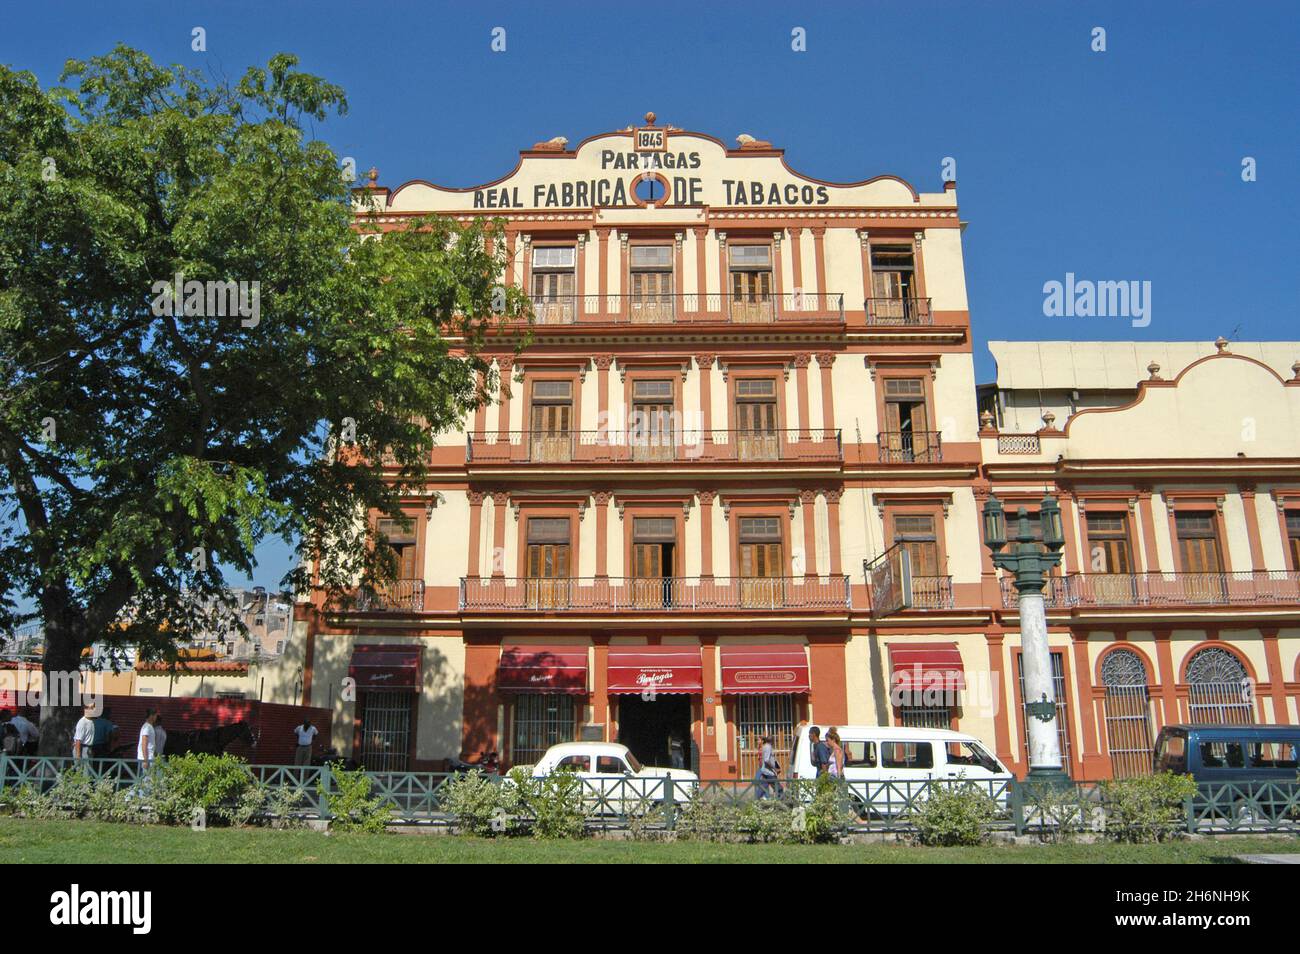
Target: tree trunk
61	704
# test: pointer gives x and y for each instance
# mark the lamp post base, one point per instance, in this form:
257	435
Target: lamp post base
1048	776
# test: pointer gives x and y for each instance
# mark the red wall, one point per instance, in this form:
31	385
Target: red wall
272	723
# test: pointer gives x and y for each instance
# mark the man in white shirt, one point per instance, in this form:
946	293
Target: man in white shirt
306	734
83	735
146	749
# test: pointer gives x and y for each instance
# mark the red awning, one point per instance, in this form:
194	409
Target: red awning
764	669
921	667
543	669
386	667
665	669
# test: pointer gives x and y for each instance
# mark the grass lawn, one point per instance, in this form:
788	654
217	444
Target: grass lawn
68	842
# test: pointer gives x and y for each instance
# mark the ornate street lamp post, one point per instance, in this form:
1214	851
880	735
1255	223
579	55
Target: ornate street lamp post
1029	559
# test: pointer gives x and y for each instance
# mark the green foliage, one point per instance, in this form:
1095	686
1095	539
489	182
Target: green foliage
822	818
1146	808
952	816
182	439
812	813
350	804
184	788
554	805
1063	810
476	802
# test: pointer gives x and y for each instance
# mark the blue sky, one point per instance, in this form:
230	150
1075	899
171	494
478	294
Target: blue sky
1117	165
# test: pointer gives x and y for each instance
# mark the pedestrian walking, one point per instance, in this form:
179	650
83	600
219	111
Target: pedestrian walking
836	765
146	747
821	752
768	769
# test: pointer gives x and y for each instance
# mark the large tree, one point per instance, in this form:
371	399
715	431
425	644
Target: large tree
146	441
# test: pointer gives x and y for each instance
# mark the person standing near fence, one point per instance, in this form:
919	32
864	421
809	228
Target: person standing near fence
146	748
159	738
105	735
306	735
821	752
28	734
83	736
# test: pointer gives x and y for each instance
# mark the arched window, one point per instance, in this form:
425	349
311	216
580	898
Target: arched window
1219	690
1128	713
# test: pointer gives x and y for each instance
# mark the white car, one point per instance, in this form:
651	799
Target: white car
889	768
614	781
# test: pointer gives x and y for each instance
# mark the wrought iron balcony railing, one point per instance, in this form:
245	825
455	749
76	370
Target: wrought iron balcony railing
1244	588
899	311
910	447
683	308
698	594
399	596
652	445
932	592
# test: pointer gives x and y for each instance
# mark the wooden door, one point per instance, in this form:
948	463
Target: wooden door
751	296
756	437
652	297
648	575
551	439
548	575
652	437
761	569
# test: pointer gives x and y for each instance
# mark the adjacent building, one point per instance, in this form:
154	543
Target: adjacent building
746	390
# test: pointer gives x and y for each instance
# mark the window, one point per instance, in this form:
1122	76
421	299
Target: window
1128	713
1222	755
400	536
653	544
1110	559
540	720
1062	706
907	437
610	765
574	763
385	729
762	561
1171	753
1198	550
893	285
758	715
554	282
925	716
652	283
756	424
548	561
969	753
915	533
1218	688
859	754
552	413
906	755
1271	755
751	282
652	425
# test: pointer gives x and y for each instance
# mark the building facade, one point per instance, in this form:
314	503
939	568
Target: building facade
746	392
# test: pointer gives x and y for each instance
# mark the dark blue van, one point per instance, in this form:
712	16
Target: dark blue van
1229	753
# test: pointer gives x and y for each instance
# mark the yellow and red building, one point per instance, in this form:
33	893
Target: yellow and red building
744	384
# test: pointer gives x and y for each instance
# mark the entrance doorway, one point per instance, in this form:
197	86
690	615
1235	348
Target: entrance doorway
646	725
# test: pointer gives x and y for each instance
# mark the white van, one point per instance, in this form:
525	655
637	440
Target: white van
888	767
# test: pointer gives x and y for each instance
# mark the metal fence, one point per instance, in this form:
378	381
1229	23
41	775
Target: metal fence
619	802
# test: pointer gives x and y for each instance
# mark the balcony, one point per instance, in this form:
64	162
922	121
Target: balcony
687	308
814	446
678	595
399	596
1099	590
899	311
910	447
932	592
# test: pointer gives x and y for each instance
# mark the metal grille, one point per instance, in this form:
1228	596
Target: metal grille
1128	713
760	715
385	730
540	720
1062	707
925	717
1218	689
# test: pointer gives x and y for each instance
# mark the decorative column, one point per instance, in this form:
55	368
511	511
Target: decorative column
509	276
723	289
1030	562
1168	684
602	263
825	361
678	272
1001	723
602	498
525	282
833	530
778	280
864	243
1071	527
808	498
505	365
1090	756
819	256
475	532
701	232
580	304
801	386
498	533
919	259
624	288
603	423
1150	555
796	263
706	534
1252	527
705	364
1276	676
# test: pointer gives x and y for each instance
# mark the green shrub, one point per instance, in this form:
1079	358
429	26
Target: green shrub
822	817
554	804
480	805
276	806
1063	810
709	816
350	804
955	815
184	788
1147	808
